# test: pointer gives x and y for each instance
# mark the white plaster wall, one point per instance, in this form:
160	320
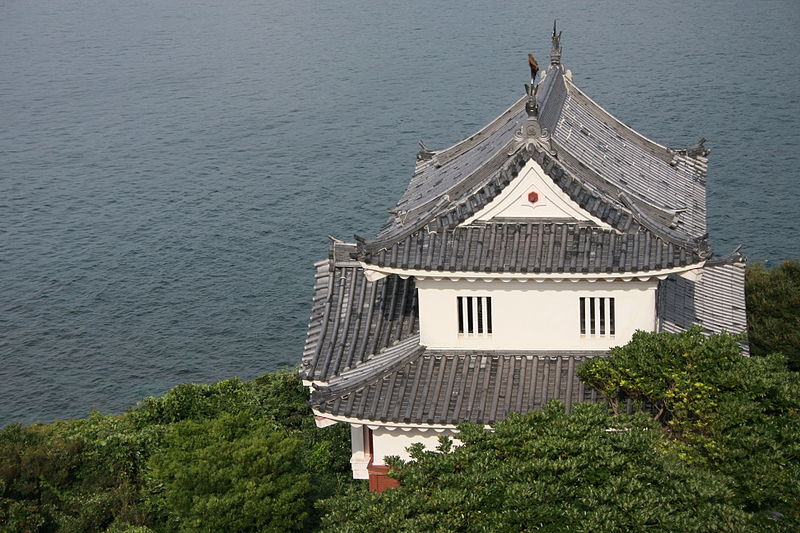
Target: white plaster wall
513	201
360	457
387	441
533	315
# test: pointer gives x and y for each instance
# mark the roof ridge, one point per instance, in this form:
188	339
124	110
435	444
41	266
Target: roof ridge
444	156
490	186
657	149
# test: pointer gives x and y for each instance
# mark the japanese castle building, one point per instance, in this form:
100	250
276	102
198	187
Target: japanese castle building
542	240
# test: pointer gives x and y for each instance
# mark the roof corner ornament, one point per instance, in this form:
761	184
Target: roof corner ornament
424	154
703	249
555	51
698	149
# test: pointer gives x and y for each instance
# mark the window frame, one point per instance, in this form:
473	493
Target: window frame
597	316
474	315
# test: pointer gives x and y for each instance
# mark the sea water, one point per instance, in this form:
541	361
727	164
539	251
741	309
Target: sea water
169	171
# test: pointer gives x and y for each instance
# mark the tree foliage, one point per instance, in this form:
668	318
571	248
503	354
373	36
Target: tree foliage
545	471
232	456
732	415
773	310
231	474
679	377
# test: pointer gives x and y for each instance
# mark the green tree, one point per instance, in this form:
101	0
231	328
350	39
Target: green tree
773	310
545	471
233	473
732	415
112	472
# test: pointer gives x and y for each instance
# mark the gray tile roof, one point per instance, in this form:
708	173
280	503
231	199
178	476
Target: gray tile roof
362	350
444	387
715	301
602	164
660	178
353	318
463	165
532	247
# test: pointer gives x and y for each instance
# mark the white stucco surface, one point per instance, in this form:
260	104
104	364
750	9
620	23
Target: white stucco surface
360	457
533	315
389	441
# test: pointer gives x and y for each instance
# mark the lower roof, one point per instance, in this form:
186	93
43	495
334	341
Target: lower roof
444	387
365	360
715	300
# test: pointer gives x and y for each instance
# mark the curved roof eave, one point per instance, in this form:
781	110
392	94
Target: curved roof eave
640	275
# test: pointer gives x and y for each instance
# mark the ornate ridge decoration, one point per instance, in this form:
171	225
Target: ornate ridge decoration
555	51
531	134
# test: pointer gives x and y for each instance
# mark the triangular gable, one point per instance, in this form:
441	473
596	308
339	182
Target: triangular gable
533	195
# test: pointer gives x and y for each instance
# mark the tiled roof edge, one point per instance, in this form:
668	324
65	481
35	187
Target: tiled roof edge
442	157
658	150
376	367
319	313
447	213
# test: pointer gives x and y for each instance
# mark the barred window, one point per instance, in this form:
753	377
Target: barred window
597	316
474	315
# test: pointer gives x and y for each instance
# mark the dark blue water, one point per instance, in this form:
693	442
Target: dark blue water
170	170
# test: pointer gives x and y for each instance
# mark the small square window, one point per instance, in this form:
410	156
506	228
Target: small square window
597	316
474	315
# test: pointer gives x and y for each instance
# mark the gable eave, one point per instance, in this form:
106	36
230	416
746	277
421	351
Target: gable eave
538	276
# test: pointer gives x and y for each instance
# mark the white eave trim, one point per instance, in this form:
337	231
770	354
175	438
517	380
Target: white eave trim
375	424
373	273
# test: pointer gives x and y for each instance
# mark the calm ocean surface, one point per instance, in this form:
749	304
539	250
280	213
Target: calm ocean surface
169	171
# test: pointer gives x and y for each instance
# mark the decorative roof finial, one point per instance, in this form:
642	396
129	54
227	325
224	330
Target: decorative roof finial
531	106
534	67
555	51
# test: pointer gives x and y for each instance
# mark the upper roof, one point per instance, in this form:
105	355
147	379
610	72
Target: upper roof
615	174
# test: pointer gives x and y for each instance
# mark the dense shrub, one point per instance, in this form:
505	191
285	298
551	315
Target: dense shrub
545	471
773	310
732	415
243	455
233	473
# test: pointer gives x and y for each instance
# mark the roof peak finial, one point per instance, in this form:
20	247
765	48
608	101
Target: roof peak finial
555	51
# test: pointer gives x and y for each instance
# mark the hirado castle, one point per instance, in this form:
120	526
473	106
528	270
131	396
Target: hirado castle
542	240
